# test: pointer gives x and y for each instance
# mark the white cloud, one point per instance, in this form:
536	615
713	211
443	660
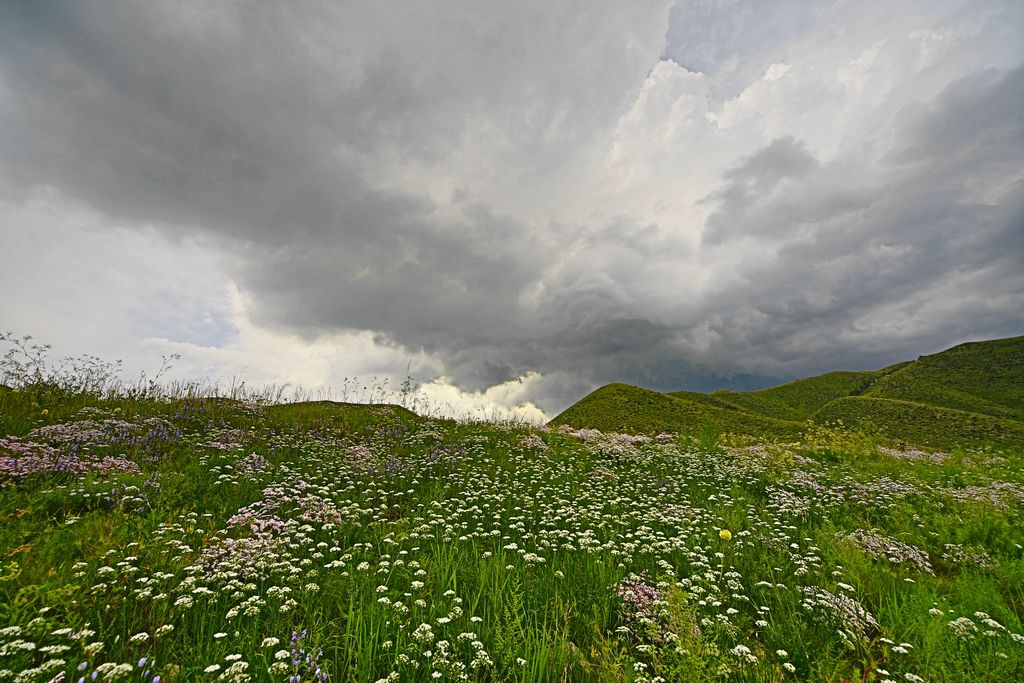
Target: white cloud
511	400
74	281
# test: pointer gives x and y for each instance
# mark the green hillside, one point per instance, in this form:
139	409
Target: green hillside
980	377
800	399
972	394
632	410
348	417
712	399
921	424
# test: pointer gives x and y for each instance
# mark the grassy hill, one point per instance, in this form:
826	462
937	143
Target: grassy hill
921	424
800	399
348	417
632	410
980	377
971	394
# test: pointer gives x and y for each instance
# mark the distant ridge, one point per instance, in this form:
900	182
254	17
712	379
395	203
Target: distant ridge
971	394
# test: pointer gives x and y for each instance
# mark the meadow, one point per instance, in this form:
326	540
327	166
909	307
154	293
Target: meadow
147	536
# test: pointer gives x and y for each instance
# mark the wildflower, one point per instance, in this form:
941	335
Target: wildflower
725	535
743	652
846	610
964	628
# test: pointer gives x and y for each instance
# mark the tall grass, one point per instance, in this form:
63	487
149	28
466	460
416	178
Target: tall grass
28	366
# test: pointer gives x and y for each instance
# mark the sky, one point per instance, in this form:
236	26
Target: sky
514	203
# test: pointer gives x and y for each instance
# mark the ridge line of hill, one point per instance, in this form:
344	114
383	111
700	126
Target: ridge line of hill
971	394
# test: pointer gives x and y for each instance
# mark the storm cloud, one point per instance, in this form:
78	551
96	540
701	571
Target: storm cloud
678	196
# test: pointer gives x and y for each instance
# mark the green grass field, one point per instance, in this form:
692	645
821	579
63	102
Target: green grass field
152	539
212	540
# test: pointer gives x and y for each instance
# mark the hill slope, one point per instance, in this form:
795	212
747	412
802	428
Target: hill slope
970	394
980	377
921	424
632	410
800	399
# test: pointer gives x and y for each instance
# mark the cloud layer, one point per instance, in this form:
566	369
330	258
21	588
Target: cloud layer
687	196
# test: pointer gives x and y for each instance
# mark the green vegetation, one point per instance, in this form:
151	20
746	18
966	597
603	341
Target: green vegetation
632	410
345	417
920	424
800	399
972	394
981	377
168	539
154	537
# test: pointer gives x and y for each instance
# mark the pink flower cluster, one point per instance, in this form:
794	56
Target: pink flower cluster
21	458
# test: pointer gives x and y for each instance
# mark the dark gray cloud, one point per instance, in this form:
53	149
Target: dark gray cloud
440	178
